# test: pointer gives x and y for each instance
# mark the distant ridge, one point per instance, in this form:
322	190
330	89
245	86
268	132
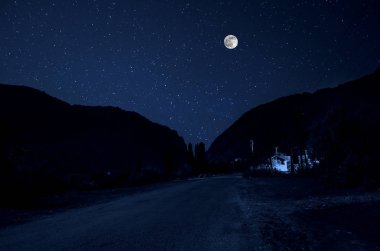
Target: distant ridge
47	143
337	123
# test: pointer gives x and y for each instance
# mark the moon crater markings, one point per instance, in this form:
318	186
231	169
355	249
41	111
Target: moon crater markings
231	42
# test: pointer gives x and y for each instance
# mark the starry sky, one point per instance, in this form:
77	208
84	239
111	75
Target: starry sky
166	59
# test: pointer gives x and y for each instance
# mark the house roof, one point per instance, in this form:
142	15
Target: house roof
281	156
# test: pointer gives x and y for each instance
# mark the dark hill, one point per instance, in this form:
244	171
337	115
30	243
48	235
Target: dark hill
340	125
47	144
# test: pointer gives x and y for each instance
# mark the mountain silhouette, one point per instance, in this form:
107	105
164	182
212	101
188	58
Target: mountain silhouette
340	126
47	144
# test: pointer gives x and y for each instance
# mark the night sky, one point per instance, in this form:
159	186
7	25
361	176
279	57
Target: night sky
166	59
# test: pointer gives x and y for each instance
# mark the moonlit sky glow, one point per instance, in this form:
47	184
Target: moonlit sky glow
166	59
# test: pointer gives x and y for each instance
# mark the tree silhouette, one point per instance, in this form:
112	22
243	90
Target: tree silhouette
200	158
190	155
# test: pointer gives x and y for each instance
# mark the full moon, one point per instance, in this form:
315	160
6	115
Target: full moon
231	42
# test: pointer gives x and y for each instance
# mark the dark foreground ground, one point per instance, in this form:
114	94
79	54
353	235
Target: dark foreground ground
217	213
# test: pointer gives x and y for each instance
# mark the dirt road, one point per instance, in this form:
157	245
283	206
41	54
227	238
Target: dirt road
219	213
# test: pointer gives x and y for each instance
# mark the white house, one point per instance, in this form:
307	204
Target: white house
281	162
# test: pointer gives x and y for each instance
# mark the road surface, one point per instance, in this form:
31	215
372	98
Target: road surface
201	214
217	213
